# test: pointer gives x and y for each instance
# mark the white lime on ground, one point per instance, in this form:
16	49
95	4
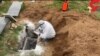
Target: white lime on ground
39	50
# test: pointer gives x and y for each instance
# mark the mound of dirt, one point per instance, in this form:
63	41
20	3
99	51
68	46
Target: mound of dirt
77	34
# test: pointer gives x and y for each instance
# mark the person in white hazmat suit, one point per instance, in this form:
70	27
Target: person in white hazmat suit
45	30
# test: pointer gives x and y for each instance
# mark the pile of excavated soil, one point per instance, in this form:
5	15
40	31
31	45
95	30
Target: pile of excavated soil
78	37
77	34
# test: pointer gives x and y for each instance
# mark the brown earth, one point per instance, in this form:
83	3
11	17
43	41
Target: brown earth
78	34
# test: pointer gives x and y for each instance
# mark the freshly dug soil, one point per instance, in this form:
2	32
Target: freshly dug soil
78	34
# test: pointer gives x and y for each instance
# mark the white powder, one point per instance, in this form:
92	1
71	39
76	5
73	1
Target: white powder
38	50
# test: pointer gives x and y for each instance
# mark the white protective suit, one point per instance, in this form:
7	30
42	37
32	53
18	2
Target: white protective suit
46	30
